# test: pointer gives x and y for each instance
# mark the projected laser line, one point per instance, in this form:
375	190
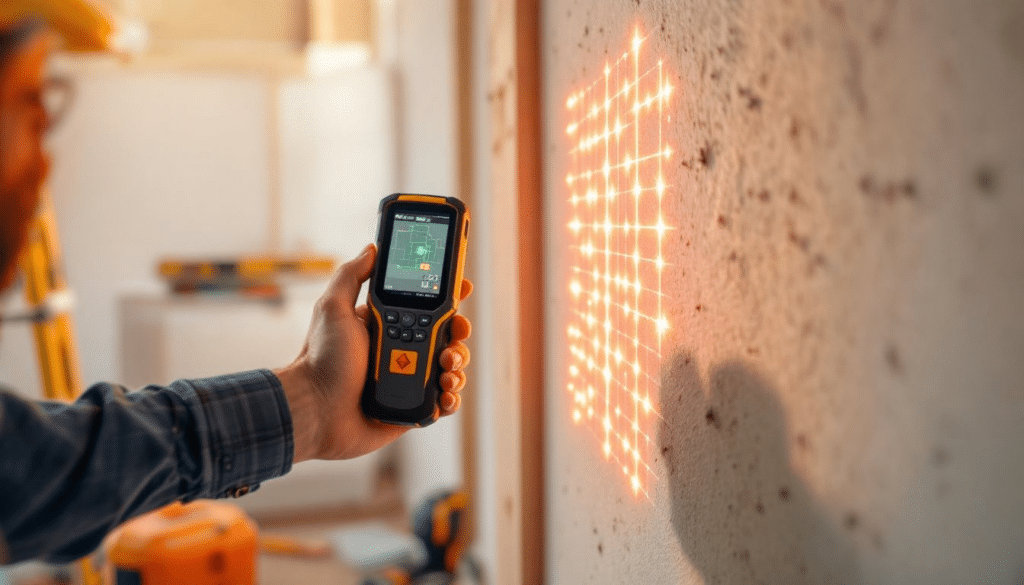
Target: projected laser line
615	187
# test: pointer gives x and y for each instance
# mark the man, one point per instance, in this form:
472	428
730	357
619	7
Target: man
69	473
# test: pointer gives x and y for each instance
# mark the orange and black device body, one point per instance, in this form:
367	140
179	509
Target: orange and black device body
414	292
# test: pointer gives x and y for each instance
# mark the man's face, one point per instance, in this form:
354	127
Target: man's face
23	162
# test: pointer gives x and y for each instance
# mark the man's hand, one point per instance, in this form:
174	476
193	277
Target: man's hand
324	383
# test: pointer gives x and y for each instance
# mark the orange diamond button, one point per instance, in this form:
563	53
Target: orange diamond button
403	362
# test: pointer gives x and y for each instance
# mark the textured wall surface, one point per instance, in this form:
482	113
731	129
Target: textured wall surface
841	384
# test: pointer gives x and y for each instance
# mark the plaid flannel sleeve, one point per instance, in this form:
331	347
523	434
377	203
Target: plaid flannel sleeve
69	473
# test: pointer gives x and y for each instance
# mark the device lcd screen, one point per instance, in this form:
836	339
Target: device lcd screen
416	256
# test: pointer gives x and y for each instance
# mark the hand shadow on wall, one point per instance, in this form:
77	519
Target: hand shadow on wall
740	512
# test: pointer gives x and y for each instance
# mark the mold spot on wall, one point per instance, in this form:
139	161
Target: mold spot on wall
889	191
893	359
711	418
986	180
707	156
794	197
800	241
802	442
855	78
852	521
754	101
940	456
834	9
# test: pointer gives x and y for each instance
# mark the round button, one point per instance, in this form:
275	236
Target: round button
408	319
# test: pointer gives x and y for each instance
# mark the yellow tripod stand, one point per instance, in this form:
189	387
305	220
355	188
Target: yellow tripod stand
53	328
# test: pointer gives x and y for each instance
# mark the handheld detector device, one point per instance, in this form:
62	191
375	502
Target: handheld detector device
415	289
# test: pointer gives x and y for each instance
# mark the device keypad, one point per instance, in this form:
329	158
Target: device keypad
404	329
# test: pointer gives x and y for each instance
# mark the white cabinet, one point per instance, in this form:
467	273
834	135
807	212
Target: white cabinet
164	339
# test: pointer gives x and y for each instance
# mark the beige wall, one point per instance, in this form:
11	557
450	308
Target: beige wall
841	390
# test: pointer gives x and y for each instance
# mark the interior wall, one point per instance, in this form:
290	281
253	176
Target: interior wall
841	390
425	64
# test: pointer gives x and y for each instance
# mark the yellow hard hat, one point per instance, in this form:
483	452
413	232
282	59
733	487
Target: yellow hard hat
82	25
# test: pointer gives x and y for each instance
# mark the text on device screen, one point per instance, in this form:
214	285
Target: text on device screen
416	254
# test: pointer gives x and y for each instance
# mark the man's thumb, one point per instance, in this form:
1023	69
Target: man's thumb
351	276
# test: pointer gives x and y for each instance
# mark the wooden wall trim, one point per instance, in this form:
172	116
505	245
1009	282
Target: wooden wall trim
531	284
464	169
516	270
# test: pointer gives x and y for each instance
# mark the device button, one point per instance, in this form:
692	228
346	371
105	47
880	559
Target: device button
408	319
403	362
406	334
394	332
390	317
419	335
423	320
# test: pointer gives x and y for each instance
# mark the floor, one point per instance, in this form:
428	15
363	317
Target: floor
314	530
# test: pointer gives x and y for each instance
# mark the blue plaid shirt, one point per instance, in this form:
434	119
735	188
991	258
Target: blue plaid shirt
69	473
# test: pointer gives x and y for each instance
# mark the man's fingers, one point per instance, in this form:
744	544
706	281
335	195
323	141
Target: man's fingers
461	328
453	382
467	289
347	280
455	357
450	403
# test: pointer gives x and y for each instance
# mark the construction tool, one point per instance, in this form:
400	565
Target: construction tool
439	524
204	542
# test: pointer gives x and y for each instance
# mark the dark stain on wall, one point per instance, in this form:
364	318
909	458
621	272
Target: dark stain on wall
707	156
851	521
893	359
986	180
940	456
889	191
722	484
855	77
754	101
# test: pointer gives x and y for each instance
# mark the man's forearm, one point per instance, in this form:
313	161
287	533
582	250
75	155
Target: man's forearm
70	473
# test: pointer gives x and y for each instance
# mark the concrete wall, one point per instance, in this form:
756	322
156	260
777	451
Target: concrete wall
841	389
